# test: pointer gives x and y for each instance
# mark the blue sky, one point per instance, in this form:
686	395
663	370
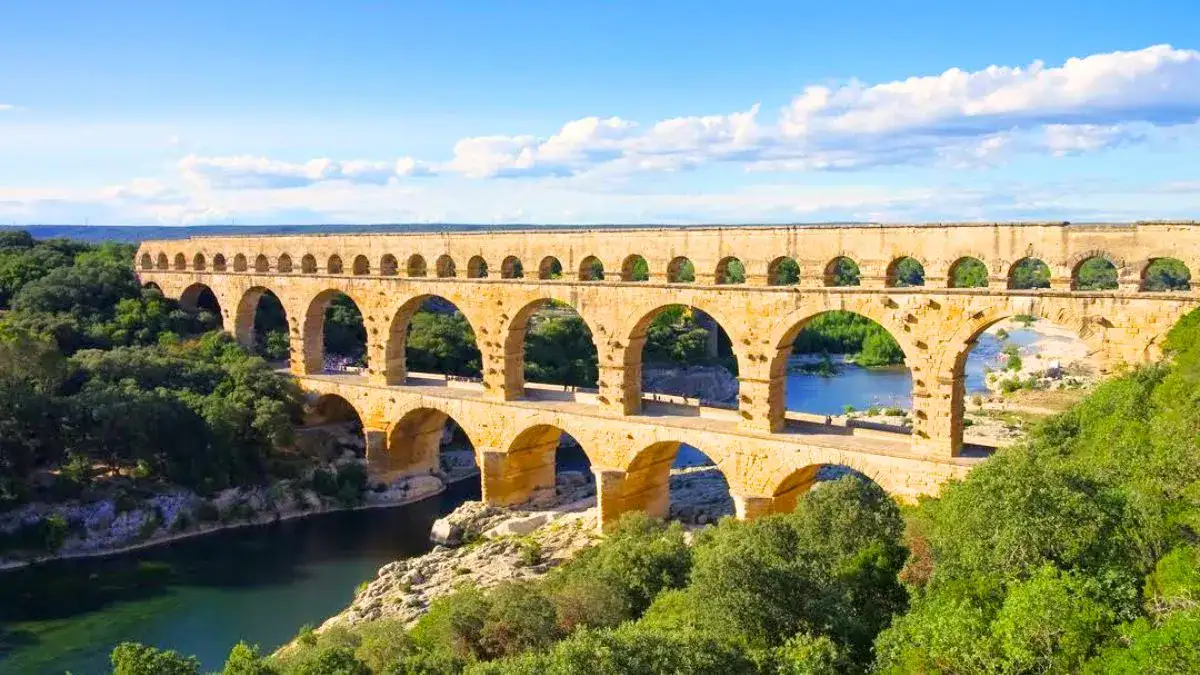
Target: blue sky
306	112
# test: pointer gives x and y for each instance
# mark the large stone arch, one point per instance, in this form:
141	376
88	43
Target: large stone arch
247	307
394	370
196	295
525	468
313	327
514	334
414	440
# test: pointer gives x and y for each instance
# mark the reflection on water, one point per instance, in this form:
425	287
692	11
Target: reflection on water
863	388
200	596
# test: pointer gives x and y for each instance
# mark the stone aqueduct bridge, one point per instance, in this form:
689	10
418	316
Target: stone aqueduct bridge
499	279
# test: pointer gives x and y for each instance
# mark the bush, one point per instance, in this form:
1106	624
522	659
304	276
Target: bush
131	658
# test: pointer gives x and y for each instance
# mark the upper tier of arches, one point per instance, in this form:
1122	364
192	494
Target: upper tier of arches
1092	271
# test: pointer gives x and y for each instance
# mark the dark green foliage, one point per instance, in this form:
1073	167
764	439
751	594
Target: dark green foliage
785	273
442	343
639	270
1166	274
908	272
245	659
130	658
1096	274
473	625
842	272
842	332
345	334
559	349
1029	273
331	661
969	273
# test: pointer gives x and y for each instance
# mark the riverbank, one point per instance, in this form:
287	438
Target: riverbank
102	530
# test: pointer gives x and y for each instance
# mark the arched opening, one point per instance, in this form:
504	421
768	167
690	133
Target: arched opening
153	288
783	272
261	325
332	429
180	261
674	480
388	265
1029	273
635	268
905	272
682	351
199	299
429	335
550	268
446	267
1166	274
162	262
799	482
239	263
335	338
477	268
511	268
334	265
730	271
546	466
284	265
198	262
1096	273
261	264
681	271
416	266
556	345
842	363
1021	362
427	440
967	272
219	262
308	264
842	271
591	269
362	266
147	261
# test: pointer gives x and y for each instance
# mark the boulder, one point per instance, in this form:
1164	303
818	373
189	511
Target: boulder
446	533
518	526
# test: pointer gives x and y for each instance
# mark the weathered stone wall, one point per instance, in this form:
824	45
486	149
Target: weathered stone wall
389	277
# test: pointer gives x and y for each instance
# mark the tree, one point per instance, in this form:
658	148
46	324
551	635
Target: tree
244	659
131	658
969	273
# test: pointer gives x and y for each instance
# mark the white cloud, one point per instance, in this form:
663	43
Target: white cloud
249	172
4	107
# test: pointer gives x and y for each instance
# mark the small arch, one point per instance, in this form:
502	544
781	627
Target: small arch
842	271
477	268
239	263
308	264
555	344
162	263
591	269
334	265
681	271
967	272
1166	274
730	270
783	271
416	266
331	410
284	264
180	262
797	483
198	262
147	261
535	457
1029	273
362	266
550	268
511	268
445	267
219	262
388	265
1094	273
905	272
261	264
635	268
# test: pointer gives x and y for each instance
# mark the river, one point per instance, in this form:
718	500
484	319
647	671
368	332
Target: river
262	584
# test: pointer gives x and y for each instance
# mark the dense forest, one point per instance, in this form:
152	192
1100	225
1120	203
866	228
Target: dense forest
1075	550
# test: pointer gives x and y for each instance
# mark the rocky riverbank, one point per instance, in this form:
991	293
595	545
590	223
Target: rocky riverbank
482	545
